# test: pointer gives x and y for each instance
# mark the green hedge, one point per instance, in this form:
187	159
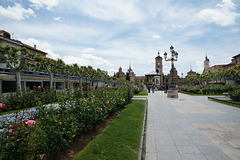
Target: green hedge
210	89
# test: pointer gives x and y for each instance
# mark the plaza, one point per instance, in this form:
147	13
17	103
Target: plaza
191	127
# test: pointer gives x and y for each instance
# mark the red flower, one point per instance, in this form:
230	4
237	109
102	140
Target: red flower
100	109
107	102
19	96
60	122
12	126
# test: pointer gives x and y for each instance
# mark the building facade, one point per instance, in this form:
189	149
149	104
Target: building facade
120	74
28	78
235	60
191	73
130	74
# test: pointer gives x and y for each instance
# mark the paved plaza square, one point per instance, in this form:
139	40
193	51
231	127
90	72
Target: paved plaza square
191	128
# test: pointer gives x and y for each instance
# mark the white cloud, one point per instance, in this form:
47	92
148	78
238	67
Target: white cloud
89	50
51	54
57	18
16	12
86	59
109	10
41	45
199	66
49	4
112	70
38	43
83	59
224	15
156	36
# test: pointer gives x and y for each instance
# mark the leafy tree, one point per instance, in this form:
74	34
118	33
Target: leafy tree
233	73
15	59
68	71
91	74
49	65
79	72
136	81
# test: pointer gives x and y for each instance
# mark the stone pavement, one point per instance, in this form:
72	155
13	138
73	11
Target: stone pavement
191	128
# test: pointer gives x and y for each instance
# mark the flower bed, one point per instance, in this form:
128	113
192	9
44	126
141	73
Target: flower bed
54	128
17	100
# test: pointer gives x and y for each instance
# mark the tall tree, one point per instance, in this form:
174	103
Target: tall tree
91	74
68	71
15	59
79	72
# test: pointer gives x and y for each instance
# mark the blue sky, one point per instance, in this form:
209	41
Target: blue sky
108	34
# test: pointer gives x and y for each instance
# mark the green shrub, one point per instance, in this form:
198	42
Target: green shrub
210	89
137	89
235	95
19	100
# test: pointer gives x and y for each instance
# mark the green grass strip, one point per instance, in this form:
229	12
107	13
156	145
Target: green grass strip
121	139
143	93
238	106
195	94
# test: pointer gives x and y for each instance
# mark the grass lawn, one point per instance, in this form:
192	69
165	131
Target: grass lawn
121	139
143	93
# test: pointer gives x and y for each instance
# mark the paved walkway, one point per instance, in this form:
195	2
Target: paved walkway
191	128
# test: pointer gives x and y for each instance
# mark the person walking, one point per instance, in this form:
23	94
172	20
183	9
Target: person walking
148	87
153	88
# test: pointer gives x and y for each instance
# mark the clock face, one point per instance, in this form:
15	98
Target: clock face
158	64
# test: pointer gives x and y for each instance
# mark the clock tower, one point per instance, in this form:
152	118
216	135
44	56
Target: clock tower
158	67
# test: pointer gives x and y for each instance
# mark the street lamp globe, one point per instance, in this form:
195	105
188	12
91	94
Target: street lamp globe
176	55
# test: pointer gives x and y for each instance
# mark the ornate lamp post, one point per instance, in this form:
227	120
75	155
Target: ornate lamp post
172	91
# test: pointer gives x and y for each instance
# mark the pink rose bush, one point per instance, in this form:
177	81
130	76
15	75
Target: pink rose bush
30	122
2	105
